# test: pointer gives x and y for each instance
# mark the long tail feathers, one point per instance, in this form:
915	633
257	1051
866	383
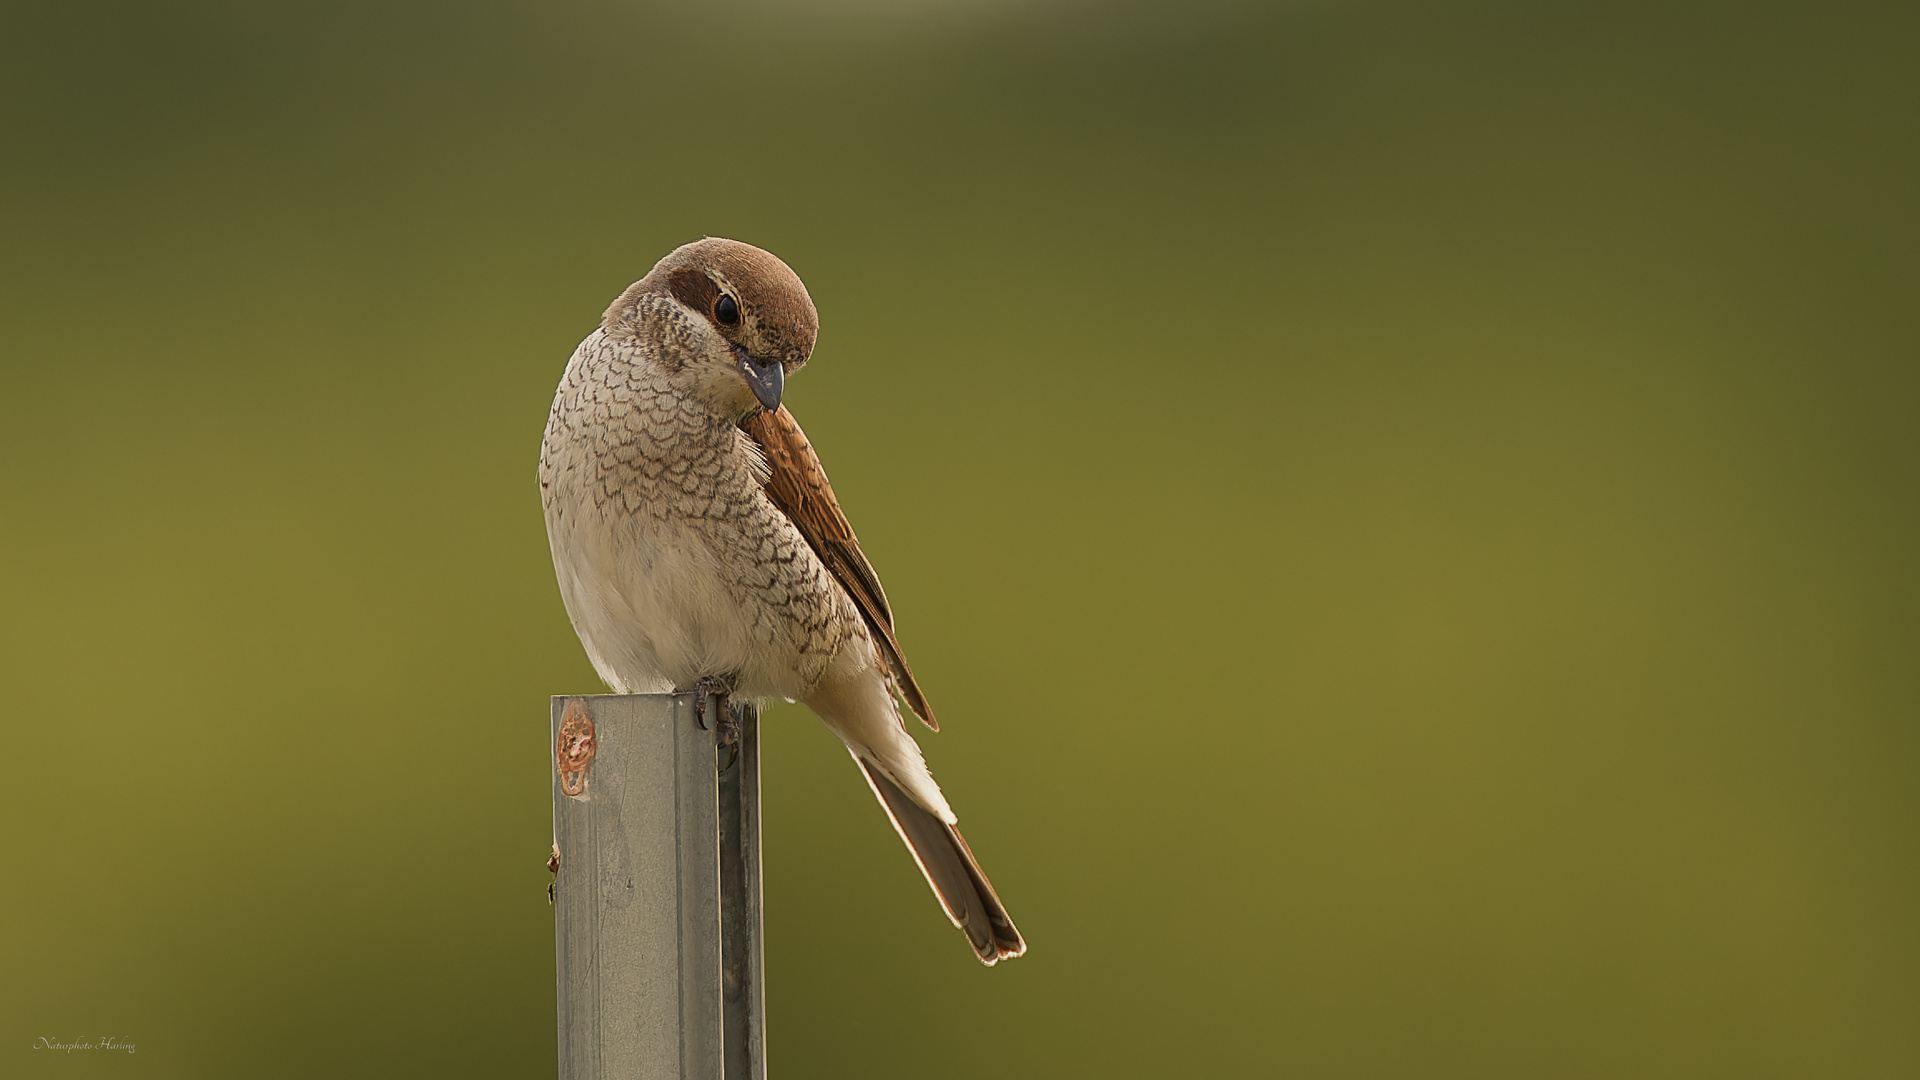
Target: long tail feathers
951	869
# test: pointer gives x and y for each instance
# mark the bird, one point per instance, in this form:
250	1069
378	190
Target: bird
699	547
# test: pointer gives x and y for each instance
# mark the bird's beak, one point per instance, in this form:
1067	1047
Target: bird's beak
767	379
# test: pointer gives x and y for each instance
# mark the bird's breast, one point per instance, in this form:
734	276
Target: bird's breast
674	566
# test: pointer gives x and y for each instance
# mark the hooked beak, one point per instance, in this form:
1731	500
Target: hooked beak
766	378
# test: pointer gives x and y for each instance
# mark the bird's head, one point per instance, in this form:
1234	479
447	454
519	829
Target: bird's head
728	321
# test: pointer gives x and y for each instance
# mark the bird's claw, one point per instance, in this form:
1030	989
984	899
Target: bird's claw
712	686
724	720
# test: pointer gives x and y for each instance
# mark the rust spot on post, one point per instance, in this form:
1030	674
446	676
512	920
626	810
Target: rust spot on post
575	749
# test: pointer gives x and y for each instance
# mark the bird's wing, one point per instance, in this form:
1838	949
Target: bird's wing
798	486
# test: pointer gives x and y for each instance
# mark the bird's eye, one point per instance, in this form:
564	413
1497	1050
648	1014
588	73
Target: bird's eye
727	310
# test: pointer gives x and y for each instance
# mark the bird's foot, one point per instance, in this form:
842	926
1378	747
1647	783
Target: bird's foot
720	691
716	689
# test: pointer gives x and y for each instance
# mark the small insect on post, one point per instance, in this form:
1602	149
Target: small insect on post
657	927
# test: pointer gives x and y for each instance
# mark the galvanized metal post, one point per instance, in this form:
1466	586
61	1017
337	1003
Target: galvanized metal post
657	918
743	978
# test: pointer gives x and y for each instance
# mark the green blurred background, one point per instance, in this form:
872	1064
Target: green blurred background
1407	511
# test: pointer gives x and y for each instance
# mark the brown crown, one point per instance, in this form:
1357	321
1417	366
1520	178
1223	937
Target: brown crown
778	315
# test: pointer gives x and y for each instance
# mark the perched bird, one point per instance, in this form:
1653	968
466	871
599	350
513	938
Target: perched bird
699	546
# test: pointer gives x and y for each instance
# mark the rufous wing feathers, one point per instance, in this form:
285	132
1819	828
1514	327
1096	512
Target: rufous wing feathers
798	486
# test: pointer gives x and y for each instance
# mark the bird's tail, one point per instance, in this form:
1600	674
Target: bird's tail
951	869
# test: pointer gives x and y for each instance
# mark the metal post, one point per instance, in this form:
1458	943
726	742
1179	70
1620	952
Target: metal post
743	978
657	926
